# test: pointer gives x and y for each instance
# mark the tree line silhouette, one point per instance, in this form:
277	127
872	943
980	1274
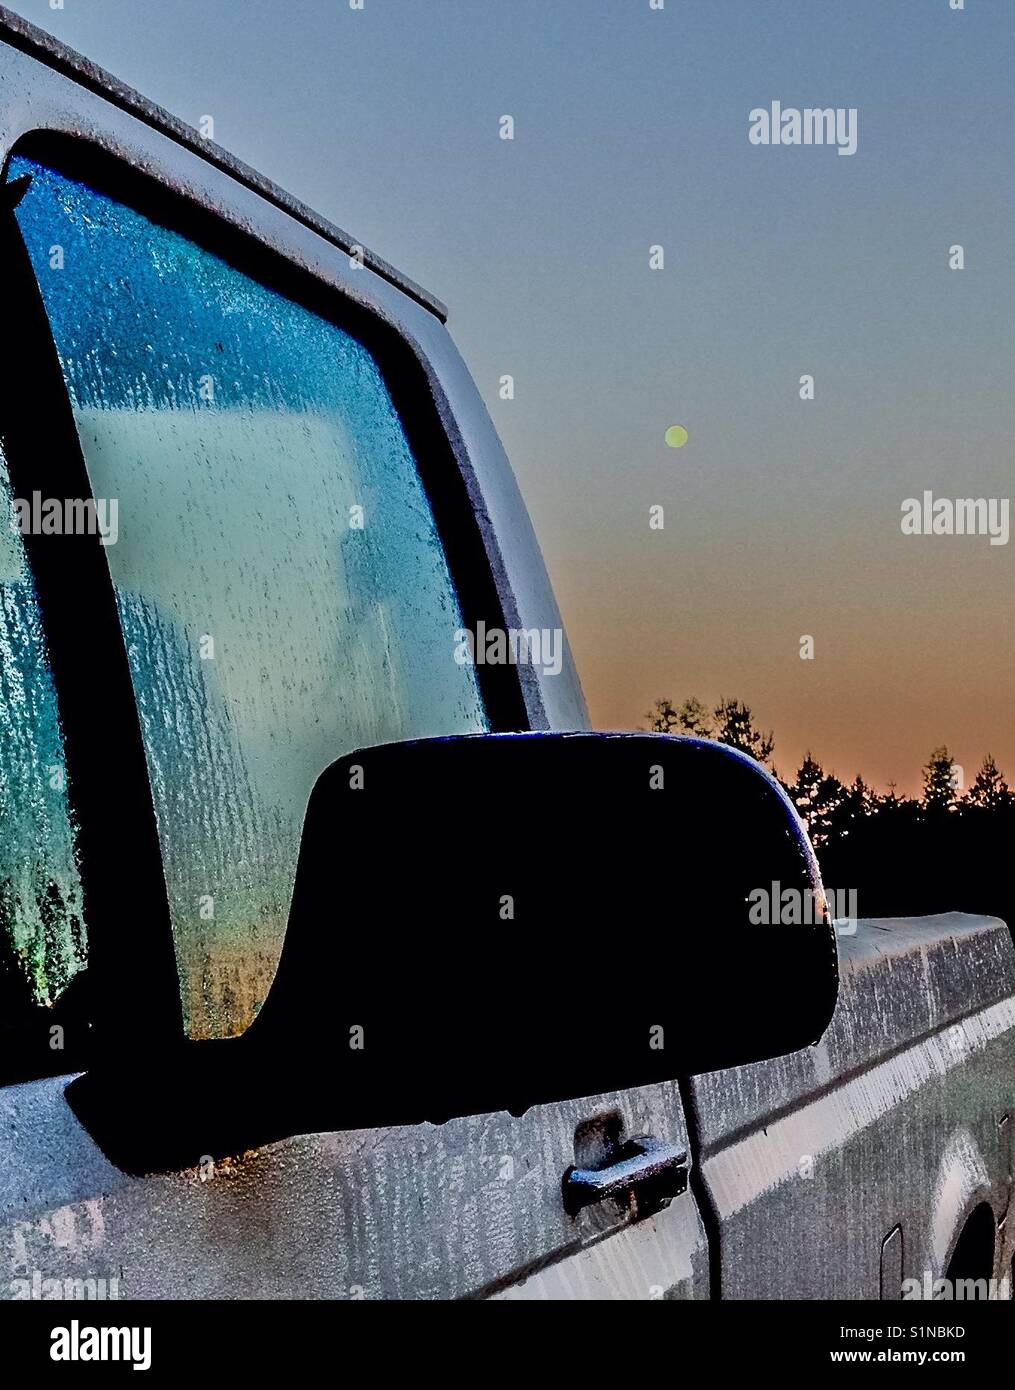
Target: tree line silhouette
943	851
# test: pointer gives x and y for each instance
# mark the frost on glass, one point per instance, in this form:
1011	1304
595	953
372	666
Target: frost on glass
42	936
267	633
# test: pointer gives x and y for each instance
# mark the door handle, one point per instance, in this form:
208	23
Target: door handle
645	1171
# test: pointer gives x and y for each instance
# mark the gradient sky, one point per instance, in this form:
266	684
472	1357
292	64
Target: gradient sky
782	517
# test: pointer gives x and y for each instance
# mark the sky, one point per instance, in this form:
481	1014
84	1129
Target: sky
782	515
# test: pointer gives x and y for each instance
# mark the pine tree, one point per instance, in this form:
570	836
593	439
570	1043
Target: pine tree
989	791
803	792
939	782
734	725
818	796
856	804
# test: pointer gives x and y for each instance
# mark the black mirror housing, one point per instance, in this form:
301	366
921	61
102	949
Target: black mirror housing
489	922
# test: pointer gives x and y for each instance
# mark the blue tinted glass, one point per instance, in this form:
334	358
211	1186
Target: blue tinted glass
42	938
283	591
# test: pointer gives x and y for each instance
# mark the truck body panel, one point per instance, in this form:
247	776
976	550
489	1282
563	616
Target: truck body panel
892	1119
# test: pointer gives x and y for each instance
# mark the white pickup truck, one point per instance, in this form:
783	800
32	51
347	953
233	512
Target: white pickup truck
522	1040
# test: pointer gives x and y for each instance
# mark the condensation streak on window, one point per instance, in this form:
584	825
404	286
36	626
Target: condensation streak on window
42	935
268	632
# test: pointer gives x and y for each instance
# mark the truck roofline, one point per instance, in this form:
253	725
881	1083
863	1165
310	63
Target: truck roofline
37	43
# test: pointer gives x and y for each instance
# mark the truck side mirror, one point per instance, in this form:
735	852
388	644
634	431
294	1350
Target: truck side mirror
489	922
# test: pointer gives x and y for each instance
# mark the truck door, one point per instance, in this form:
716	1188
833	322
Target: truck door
243	575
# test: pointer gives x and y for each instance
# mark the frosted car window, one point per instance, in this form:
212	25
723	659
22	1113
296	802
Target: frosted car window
42	936
283	592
